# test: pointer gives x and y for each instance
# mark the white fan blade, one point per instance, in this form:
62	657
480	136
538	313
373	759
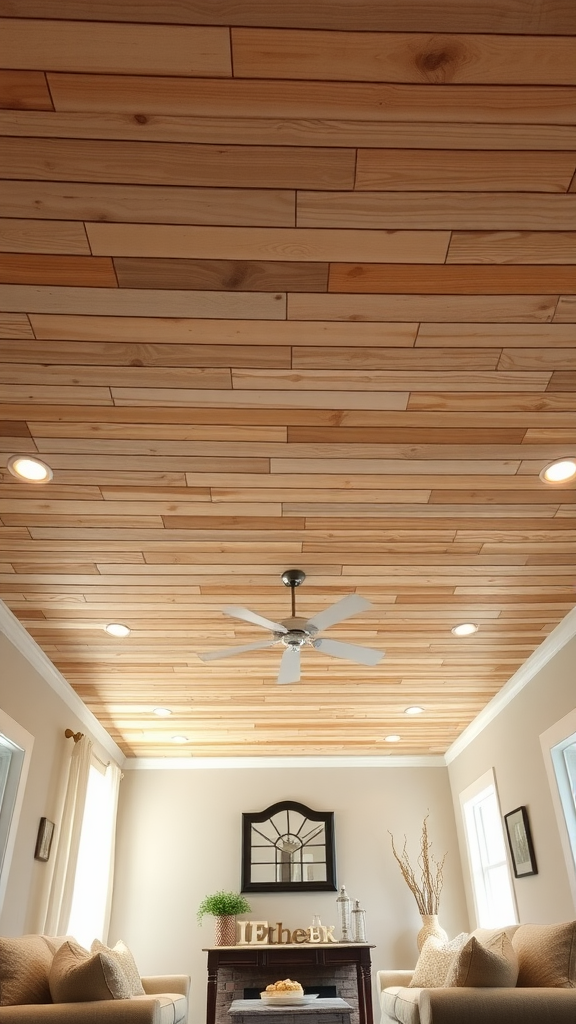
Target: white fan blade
290	666
258	620
214	655
351	652
343	609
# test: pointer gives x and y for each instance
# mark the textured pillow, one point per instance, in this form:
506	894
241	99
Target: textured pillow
24	969
127	963
492	964
78	976
546	955
435	960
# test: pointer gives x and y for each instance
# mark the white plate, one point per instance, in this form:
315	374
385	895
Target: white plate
287	1000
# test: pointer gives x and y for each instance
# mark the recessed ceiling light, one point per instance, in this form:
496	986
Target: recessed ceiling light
559	471
179	739
415	710
392	739
162	712
465	629
26	468
117	629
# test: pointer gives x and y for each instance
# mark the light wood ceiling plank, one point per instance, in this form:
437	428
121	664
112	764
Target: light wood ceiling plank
259	131
510	16
403	57
221	275
486	308
15	326
109	353
482	334
84	271
61	237
490	400
392	380
138	302
454	171
387	278
108	48
147	203
565	310
24	90
483	104
539	247
241	399
265	244
493	210
151	163
117	376
170	330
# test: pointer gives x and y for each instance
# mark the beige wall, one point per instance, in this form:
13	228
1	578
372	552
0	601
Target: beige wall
510	745
26	697
179	839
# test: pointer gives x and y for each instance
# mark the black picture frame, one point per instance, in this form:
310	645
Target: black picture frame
251	825
44	839
520	842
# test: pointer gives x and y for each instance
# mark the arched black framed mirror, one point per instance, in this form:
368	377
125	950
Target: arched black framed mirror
288	848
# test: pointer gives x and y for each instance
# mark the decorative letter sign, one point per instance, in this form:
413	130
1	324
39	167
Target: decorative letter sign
260	933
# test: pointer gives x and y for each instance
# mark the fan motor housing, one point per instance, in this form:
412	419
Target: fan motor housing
298	633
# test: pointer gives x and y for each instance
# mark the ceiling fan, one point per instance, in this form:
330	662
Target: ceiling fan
295	633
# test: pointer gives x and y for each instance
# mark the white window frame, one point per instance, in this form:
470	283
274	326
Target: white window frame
486	781
552	741
23	742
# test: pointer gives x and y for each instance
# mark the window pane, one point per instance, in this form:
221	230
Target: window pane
493	893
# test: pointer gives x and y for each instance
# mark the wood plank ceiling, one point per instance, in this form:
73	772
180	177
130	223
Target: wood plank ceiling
288	285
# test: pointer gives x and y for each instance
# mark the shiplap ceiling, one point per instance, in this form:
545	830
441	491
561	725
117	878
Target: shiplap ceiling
287	284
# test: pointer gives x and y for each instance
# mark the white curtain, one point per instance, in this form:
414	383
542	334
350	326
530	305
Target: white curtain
68	840
115	775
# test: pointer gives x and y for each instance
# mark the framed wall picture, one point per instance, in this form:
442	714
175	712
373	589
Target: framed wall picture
44	839
520	843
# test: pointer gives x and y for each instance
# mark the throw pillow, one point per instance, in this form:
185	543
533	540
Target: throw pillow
434	961
492	964
126	961
546	955
78	976
24	969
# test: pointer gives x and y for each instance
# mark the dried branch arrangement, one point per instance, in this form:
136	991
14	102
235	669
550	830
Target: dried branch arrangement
426	891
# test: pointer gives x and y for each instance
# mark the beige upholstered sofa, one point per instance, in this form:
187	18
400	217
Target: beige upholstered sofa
45	980
544	992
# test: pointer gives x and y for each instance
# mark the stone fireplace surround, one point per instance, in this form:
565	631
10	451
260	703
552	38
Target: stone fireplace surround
232	969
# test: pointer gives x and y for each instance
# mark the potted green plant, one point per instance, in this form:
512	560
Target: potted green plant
224	906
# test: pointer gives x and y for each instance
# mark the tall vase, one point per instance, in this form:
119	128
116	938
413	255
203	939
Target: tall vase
225	930
430	927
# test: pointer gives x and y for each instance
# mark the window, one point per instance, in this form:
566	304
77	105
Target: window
559	748
491	882
90	898
15	753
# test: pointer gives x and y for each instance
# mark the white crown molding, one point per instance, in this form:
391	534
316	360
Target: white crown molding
554	642
195	763
15	632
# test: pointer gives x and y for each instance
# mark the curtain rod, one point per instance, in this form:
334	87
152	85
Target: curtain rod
76	736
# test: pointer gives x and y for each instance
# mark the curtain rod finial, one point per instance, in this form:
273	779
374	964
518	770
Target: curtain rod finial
70	734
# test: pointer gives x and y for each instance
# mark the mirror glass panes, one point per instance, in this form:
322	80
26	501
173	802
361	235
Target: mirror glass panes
288	846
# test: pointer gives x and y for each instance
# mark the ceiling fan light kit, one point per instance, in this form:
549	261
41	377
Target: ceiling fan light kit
294	633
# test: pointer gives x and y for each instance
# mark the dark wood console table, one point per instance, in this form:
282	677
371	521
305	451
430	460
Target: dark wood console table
285	961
